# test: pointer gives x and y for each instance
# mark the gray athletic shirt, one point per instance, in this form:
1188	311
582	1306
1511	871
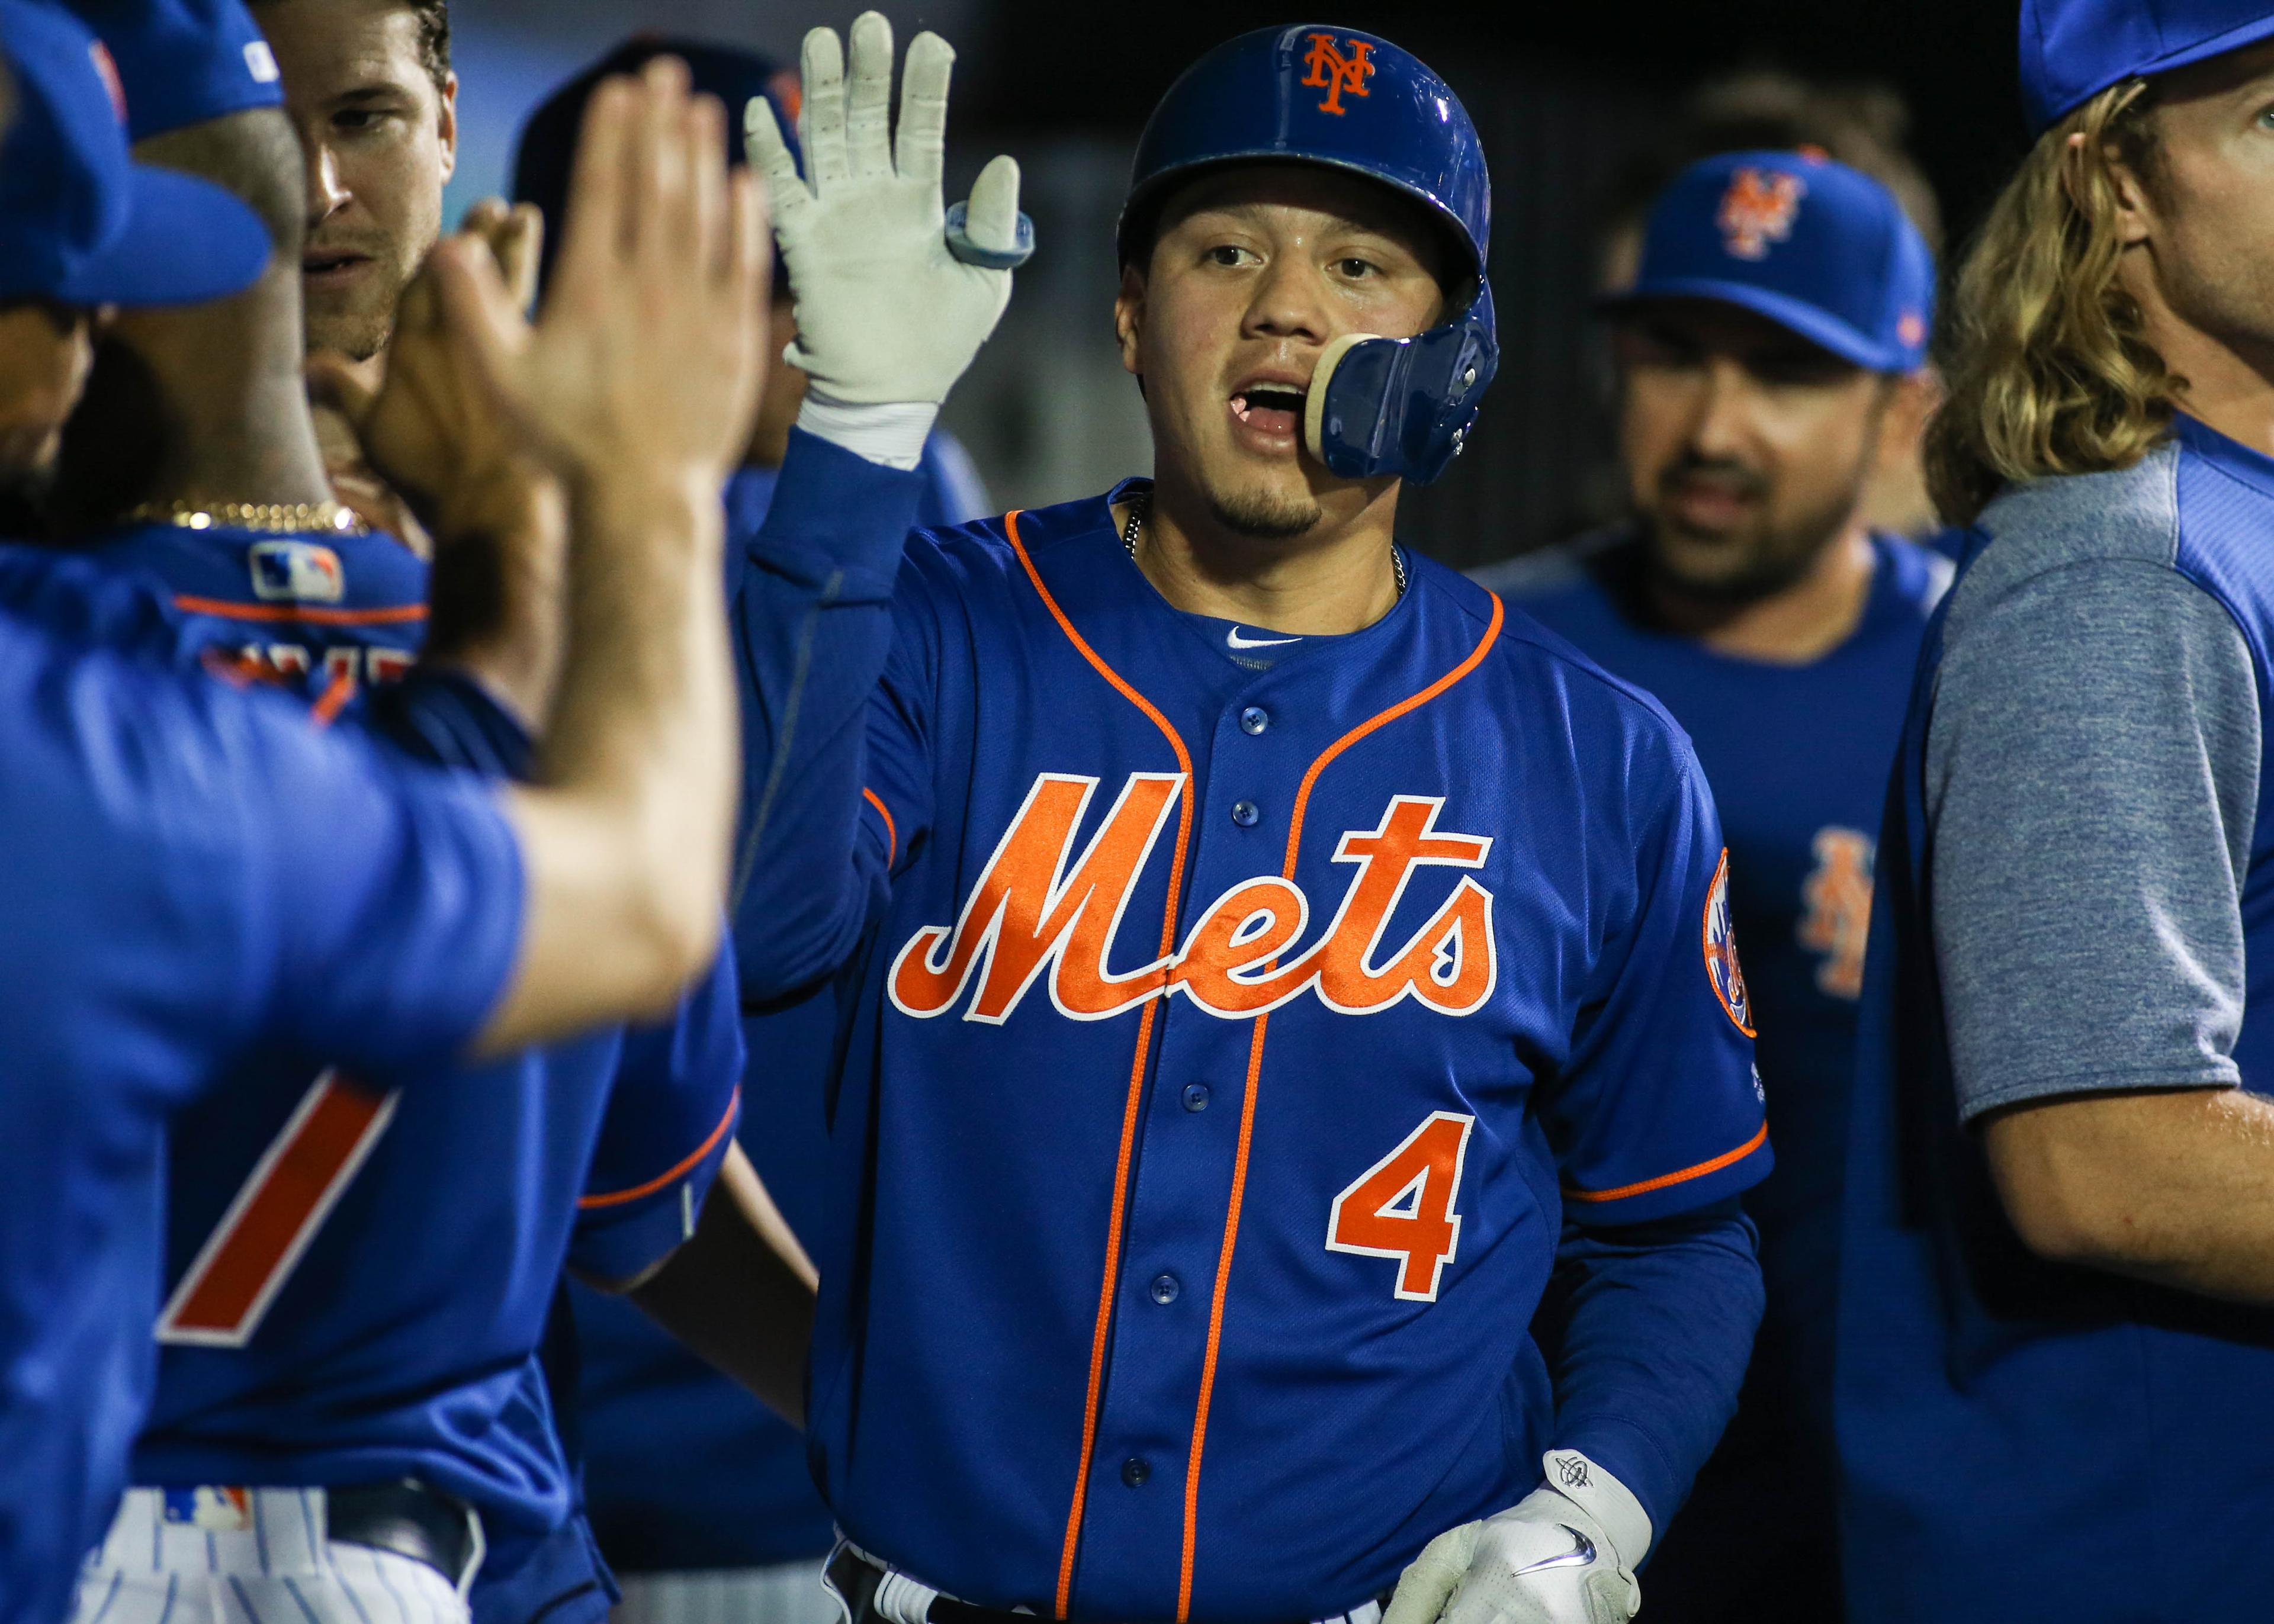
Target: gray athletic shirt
2091	787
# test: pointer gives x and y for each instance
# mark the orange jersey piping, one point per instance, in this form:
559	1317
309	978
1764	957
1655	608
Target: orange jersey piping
1663	1181
693	1159
1247	1104
223	608
1132	1108
891	829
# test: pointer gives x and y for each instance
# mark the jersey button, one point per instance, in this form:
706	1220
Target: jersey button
1135	1470
1165	1289
1254	719
1196	1096
1244	814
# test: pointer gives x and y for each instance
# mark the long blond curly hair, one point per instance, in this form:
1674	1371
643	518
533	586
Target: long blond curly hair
2044	365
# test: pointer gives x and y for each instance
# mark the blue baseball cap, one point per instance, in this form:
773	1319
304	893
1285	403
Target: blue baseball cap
1815	246
80	222
547	150
183	62
2074	49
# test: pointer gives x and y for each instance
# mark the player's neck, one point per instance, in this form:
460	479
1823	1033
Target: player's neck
226	380
2229	384
1340	577
1802	623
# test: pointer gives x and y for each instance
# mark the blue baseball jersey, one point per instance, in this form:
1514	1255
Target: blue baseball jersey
354	1297
1798	756
341	612
198	873
684	1468
2020	1437
1230	1050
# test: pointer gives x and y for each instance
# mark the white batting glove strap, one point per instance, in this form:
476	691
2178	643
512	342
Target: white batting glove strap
892	435
886	312
1550	1559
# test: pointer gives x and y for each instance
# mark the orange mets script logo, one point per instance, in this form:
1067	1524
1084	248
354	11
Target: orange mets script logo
1330	71
1040	911
1838	897
1758	209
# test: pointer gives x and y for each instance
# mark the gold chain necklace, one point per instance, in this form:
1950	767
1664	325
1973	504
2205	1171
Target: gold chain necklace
327	518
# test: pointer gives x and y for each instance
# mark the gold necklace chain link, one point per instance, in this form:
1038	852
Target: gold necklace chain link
324	518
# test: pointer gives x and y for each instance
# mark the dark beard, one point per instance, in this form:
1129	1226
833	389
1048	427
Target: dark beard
1260	518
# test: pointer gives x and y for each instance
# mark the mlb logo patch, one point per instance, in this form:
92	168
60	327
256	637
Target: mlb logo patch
301	571
215	1510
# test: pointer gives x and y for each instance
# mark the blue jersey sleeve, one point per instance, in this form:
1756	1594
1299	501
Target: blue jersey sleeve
1660	1110
814	625
671	1116
1648	1328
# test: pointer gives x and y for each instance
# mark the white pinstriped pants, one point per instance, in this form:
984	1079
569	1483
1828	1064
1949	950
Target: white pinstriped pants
789	1594
258	1556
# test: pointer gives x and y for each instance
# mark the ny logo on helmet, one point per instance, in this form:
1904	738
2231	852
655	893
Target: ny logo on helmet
1330	71
1758	209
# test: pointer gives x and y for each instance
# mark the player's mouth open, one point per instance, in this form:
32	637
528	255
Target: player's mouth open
331	265
1272	409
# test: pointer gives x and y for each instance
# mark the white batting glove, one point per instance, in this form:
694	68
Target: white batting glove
887	313
1563	1554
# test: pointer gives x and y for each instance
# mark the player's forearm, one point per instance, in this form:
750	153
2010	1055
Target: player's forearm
813	626
2176	1188
625	841
741	1291
1649	1328
499	603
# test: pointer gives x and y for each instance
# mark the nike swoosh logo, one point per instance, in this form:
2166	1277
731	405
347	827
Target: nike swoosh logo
1232	639
1582	1552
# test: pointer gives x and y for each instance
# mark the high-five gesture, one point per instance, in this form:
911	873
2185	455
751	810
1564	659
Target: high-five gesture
894	293
649	350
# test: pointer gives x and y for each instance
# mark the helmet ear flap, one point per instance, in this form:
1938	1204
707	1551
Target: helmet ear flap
1401	406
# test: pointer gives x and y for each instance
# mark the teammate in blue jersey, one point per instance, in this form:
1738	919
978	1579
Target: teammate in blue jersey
1281	971
1771	351
411	1395
701	1497
2056	1361
201	874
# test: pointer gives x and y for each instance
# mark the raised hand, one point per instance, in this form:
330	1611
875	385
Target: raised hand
646	359
888	310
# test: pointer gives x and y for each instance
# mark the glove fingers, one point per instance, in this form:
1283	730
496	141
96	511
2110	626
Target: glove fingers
770	155
869	105
821	113
991	220
924	107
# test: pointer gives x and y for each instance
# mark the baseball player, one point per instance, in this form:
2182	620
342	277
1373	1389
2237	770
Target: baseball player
200	873
1283	972
701	1497
2054	1342
1771	352
261	1387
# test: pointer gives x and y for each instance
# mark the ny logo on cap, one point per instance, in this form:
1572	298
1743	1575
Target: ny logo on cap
1758	209
1330	71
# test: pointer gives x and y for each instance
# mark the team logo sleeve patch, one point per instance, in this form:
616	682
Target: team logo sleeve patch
1721	940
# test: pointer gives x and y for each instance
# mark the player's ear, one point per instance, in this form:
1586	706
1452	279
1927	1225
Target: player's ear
1129	318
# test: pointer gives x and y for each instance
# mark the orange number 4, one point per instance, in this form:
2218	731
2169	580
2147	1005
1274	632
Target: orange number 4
1401	1207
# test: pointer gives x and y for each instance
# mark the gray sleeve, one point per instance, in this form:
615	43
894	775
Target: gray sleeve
2092	785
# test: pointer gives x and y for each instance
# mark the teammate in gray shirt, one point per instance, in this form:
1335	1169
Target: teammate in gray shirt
2055	1385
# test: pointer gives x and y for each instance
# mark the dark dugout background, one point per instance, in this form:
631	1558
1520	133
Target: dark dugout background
1567	97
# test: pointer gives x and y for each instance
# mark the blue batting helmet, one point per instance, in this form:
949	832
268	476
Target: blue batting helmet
1349	101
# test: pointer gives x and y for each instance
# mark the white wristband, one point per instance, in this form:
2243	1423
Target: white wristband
891	435
1602	1497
